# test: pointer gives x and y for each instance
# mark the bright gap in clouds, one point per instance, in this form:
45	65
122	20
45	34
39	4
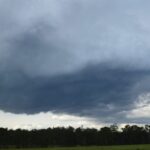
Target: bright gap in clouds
45	120
49	119
141	107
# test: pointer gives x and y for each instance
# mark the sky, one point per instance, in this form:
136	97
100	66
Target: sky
78	62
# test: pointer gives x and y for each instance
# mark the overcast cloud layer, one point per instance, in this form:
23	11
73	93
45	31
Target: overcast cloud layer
73	56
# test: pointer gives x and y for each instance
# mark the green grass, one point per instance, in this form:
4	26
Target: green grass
127	147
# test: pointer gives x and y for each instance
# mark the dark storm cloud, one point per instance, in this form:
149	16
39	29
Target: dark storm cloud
94	91
74	56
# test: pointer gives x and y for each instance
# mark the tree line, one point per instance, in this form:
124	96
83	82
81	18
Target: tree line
60	136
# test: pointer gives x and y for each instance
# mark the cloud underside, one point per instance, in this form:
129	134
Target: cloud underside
104	91
85	58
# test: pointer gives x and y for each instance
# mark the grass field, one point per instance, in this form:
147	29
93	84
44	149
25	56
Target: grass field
128	147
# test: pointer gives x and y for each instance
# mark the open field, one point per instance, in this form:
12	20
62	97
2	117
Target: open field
127	147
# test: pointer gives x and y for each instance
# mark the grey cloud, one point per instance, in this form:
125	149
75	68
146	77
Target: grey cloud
103	90
66	36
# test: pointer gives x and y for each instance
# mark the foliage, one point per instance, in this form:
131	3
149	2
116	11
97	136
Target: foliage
70	137
127	147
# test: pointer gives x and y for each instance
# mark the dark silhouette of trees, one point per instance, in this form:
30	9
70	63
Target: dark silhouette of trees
70	136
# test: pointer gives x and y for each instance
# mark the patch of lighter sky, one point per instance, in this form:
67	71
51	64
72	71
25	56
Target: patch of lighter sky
141	107
45	120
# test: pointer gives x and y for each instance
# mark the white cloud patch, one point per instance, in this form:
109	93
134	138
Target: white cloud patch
141	107
45	120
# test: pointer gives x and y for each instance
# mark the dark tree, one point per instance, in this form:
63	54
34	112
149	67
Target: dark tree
61	136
